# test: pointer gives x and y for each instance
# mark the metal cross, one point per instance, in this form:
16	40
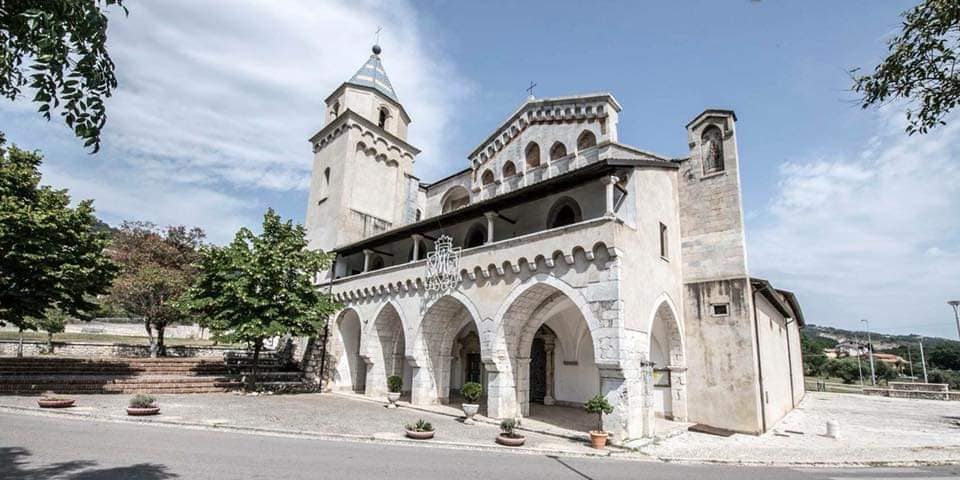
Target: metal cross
379	28
530	88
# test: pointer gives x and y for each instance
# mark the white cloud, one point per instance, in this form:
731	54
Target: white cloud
216	101
870	234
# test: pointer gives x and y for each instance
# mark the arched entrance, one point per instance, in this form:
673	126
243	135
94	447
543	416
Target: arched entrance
544	317
669	370
385	351
349	373
432	352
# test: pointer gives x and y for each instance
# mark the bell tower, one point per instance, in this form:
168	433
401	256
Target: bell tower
362	182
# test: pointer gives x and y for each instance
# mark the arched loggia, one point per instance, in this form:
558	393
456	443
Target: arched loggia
432	355
350	370
667	353
384	351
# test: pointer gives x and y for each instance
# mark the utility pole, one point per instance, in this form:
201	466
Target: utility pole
910	359
956	313
873	373
859	367
923	362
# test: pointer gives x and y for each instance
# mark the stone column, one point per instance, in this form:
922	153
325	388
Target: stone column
622	388
417	238
490	216
548	347
423	390
648	428
501	392
678	392
443	379
367	255
609	183
523	386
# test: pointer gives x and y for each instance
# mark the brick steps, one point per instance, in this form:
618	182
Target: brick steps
159	375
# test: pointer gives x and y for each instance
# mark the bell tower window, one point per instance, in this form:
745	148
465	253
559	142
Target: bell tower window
384	114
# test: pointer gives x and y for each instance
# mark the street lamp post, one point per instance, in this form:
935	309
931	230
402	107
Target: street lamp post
873	372
956	313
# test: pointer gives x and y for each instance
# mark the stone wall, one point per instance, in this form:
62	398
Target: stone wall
128	329
913	394
8	348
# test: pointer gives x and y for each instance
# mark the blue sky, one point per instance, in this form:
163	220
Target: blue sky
217	99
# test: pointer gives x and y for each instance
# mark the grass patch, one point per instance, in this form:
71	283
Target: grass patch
107	339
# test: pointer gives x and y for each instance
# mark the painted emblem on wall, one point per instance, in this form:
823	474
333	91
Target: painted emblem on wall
443	266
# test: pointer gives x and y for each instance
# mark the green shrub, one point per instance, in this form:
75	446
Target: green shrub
508	425
471	391
421	426
142	401
598	405
394	383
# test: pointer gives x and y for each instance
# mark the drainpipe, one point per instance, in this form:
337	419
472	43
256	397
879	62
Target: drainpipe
756	333
793	395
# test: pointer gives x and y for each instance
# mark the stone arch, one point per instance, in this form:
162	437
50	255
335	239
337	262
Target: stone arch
565	211
509	169
349	370
454	198
711	149
666	350
384	350
586	140
430	352
525	310
476	236
487	177
532	155
557	151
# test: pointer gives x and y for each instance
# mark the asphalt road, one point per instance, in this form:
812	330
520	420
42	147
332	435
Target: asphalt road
34	447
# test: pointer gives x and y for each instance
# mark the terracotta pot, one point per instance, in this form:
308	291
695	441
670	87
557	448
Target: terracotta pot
469	410
514	441
598	439
141	411
420	435
392	397
55	403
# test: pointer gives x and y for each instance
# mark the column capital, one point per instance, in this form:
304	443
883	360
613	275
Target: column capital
610	179
367	251
416	237
491	215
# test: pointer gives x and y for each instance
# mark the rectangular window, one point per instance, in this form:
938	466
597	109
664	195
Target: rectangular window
664	240
720	309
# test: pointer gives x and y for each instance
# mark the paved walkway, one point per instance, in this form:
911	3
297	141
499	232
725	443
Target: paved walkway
874	430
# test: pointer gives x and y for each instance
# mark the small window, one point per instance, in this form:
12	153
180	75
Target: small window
384	114
533	155
558	150
509	170
564	212
418	216
720	309
476	237
376	263
586	140
664	242
335	111
486	178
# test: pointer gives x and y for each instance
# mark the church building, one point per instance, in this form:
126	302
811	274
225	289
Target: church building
558	264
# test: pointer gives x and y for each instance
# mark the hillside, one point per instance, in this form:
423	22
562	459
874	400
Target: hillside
881	341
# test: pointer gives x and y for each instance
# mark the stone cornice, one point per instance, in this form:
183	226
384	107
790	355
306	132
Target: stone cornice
350	118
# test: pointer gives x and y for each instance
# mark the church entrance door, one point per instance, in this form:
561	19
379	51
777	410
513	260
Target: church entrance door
538	371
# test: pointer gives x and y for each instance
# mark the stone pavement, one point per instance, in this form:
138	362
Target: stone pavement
874	430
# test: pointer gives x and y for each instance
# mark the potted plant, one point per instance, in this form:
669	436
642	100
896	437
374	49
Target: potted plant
508	436
49	399
471	391
599	406
394	385
422	430
142	404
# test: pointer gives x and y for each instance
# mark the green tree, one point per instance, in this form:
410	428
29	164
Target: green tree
946	356
920	67
52	255
261	286
156	270
53	321
58	49
846	369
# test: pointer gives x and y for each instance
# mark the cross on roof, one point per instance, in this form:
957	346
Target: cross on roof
530	88
379	29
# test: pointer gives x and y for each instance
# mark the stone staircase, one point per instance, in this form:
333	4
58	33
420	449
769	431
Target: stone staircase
142	375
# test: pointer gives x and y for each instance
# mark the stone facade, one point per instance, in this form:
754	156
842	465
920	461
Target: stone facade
585	266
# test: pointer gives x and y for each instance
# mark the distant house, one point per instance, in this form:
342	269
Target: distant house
846	348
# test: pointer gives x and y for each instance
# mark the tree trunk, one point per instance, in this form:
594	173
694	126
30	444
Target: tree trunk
50	343
153	342
20	344
252	382
161	348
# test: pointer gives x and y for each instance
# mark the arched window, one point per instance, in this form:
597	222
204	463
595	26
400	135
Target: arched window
486	178
335	111
565	211
455	198
558	150
476	236
586	140
509	169
384	114
418	216
711	145
533	155
325	188
376	263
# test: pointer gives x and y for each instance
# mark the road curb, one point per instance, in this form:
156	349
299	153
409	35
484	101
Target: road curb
304	434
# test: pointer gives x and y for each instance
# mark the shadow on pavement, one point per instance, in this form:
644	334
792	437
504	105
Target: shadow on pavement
14	465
